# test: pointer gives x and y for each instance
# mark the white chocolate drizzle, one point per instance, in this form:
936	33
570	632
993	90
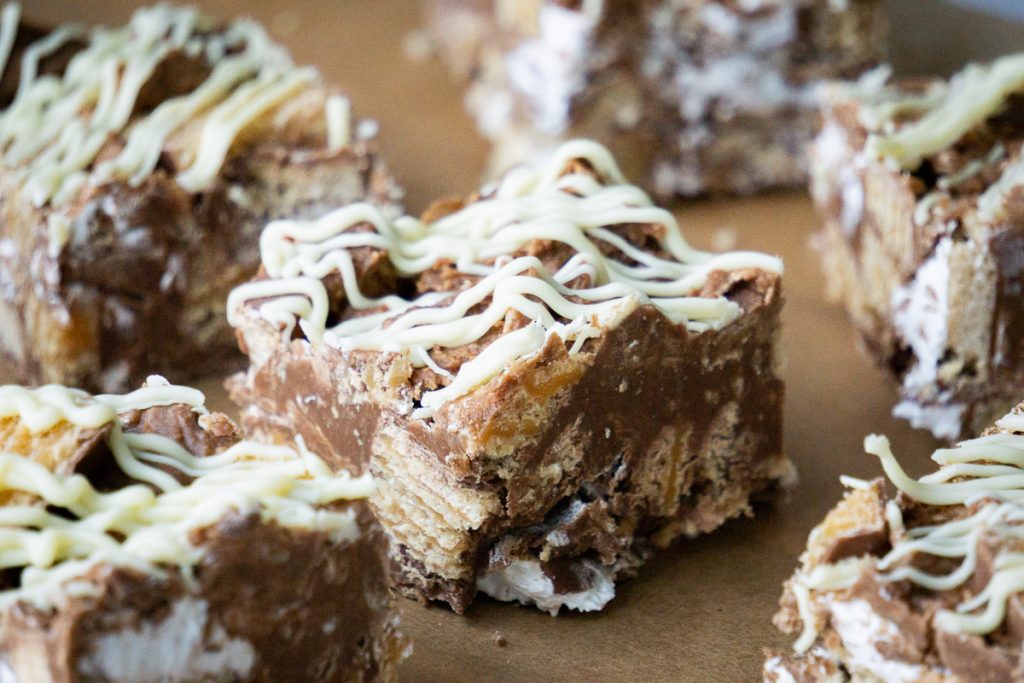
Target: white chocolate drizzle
482	240
987	475
56	127
9	17
148	525
338	111
974	94
992	203
972	168
946	112
881	105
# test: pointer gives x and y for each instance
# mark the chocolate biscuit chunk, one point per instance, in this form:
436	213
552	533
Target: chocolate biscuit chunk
939	599
697	97
131	558
920	188
555	386
137	167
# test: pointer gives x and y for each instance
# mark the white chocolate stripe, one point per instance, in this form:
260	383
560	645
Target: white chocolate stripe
875	115
987	472
528	205
9	17
974	94
150	526
146	139
56	126
1007	483
245	105
992	203
339	122
43	48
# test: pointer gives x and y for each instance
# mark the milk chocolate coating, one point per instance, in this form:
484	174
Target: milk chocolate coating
873	251
310	608
643	376
141	284
878	624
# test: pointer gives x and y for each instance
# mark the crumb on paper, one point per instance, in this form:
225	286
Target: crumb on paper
724	238
499	639
417	46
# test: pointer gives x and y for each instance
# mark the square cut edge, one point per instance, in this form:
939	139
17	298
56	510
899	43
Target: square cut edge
562	474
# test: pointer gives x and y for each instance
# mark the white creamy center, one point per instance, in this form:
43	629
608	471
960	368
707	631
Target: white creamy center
525	582
173	649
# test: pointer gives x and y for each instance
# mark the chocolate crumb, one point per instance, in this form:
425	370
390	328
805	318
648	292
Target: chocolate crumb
499	639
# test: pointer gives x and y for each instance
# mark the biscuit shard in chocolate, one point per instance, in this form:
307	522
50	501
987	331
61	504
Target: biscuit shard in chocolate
927	586
142	541
920	187
137	168
550	382
694	97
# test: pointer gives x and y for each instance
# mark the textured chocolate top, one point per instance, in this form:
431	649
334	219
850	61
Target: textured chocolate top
932	572
171	88
959	140
558	250
138	165
131	481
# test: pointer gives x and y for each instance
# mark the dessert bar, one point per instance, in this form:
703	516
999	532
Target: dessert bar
551	383
693	97
137	167
142	540
919	184
916	579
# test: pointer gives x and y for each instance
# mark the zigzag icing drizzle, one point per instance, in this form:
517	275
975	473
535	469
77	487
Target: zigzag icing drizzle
481	240
56	126
987	472
152	523
975	94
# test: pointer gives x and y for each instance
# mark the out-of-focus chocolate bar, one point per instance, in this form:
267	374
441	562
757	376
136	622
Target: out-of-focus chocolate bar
696	97
137	168
920	187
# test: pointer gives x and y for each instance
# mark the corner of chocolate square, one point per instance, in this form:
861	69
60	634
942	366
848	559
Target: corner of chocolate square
918	183
147	542
548	382
137	168
915	579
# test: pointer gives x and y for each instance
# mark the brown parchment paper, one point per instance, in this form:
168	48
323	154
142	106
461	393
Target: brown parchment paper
702	611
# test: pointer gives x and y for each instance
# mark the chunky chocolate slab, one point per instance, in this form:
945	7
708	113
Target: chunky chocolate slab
919	187
693	97
142	540
916	579
137	167
549	381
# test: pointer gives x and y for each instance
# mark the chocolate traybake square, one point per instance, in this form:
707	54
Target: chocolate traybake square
142	541
920	187
696	97
550	382
137	167
916	580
